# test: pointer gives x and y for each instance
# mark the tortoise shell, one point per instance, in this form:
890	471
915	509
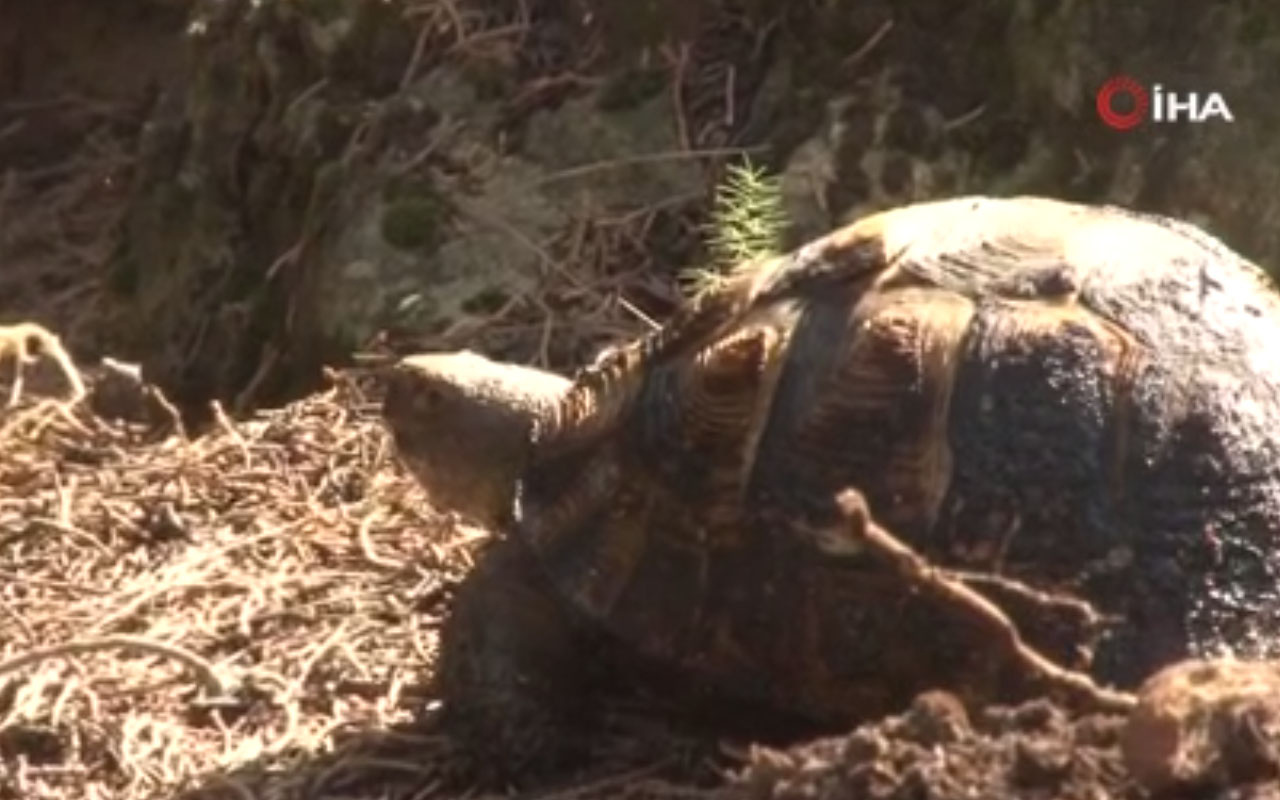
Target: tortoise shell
1085	399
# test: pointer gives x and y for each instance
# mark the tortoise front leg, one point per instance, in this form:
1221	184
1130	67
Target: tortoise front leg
513	671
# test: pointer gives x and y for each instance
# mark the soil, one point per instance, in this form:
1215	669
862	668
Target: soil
936	751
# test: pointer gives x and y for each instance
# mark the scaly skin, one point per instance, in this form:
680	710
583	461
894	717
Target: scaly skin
515	672
513	663
461	424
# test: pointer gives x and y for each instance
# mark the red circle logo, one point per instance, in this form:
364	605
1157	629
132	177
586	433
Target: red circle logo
1122	85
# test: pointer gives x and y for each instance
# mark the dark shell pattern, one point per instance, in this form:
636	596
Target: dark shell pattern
1085	399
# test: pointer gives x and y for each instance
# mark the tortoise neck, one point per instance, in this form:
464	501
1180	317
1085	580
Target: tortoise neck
598	398
603	392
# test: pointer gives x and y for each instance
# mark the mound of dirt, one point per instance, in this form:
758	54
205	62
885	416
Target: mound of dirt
178	613
936	750
1201	730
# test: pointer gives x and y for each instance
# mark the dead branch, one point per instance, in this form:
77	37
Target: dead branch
1084	613
860	532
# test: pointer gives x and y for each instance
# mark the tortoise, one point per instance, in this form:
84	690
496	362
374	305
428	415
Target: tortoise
1081	399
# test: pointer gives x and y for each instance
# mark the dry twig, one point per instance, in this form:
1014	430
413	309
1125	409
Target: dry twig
23	342
267	581
859	533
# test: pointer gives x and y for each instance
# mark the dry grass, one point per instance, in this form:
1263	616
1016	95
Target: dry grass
215	614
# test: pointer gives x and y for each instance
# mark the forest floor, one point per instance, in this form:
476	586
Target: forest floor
252	612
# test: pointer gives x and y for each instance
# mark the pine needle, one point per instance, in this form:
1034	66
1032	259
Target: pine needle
747	223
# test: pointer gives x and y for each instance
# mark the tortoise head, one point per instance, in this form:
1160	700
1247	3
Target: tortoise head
461	425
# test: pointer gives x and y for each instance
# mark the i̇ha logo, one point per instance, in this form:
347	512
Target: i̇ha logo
1123	103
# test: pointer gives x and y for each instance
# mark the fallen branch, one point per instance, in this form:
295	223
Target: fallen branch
1083	614
859	533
